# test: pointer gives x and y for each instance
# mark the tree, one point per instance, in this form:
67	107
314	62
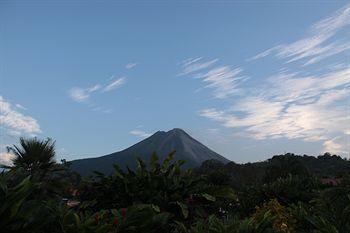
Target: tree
283	166
36	158
34	155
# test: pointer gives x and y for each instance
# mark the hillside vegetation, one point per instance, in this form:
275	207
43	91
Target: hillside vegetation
238	175
283	194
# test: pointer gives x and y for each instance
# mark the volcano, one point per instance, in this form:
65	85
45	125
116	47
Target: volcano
162	143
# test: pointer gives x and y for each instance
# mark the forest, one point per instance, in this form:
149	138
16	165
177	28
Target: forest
287	193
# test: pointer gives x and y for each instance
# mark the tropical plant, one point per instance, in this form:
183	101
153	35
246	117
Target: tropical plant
34	155
36	158
162	184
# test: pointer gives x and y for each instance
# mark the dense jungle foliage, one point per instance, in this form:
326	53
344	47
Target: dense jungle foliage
283	194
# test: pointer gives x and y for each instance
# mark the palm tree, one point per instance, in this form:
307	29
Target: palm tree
34	155
36	158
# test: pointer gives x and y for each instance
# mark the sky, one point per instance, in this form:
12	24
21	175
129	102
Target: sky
248	79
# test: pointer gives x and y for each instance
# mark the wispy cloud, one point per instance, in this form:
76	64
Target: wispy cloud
79	94
300	101
319	43
131	65
264	53
192	65
311	108
140	133
84	94
291	87
6	158
339	144
223	80
19	106
114	84
99	108
12	121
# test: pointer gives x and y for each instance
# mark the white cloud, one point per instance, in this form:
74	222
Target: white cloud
300	101
6	158
82	95
263	54
317	45
192	65
332	49
292	87
114	84
311	108
12	125
222	80
94	88
21	107
15	122
339	144
79	94
140	133
131	65
312	105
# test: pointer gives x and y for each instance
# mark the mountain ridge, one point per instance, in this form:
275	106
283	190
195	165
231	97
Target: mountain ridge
186	148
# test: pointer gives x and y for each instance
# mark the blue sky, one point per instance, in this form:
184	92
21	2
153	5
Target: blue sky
247	79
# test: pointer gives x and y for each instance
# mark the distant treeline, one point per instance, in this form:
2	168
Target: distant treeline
238	175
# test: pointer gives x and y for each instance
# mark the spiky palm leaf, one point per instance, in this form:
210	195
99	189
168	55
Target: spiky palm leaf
34	154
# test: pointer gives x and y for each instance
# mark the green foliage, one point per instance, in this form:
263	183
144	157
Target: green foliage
162	184
36	158
283	197
137	218
284	166
214	224
12	199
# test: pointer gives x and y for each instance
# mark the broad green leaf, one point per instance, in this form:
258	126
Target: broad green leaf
184	209
208	197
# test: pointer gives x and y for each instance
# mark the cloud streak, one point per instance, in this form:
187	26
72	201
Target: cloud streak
221	79
131	65
21	107
192	65
310	108
318	44
79	94
301	100
6	158
83	95
140	133
114	84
